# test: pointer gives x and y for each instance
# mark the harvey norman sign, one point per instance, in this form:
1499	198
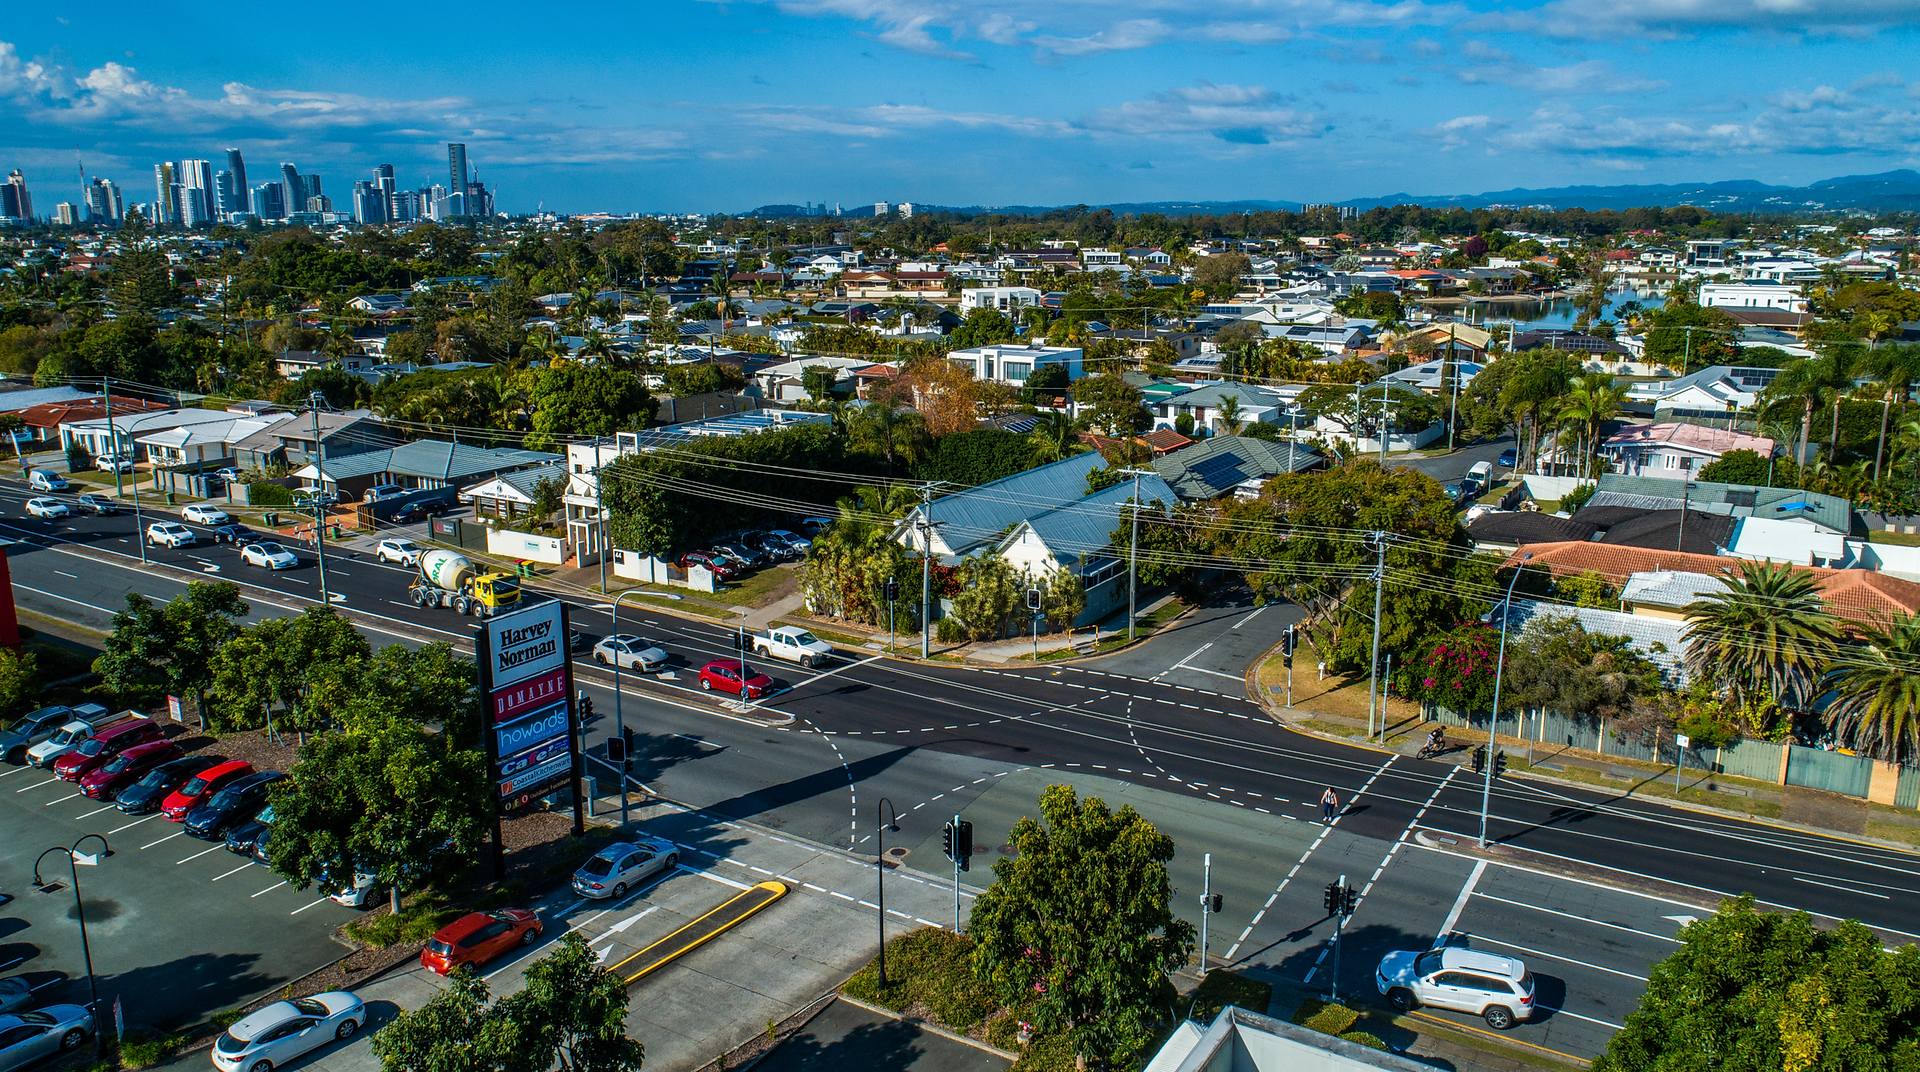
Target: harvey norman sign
525	643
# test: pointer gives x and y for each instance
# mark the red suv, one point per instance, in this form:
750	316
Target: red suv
478	937
106	781
201	787
724	675
723	567
95	751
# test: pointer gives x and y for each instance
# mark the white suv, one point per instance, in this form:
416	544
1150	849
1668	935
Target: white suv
405	552
170	534
1496	988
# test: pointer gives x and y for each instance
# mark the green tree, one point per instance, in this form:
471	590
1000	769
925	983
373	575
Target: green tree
1110	404
1753	991
1220	275
130	657
455	1031
1055	438
140	280
1591	400
1587	589
895	434
572	1014
1558	665
1686	336
19	679
571	400
1063	598
383	795
982	327
1768	637
980	456
1738	467
988	592
1875	707
1090	954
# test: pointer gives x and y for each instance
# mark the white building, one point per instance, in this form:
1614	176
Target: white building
1780	297
1005	299
1013	364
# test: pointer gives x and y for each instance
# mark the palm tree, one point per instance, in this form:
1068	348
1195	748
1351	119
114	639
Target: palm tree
1057	436
1876	693
1894	368
891	432
1768	637
1230	414
1802	387
1592	399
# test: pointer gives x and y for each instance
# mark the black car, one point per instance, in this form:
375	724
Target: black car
146	794
231	805
260	845
98	505
244	837
235	534
30	729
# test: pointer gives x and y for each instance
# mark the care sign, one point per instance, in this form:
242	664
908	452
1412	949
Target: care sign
525	643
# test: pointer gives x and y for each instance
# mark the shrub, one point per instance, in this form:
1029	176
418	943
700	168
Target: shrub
948	630
1048	1053
932	968
147	1051
1325	1017
1365	1038
264	493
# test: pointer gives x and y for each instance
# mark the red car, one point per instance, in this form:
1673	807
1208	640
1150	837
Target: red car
723	567
94	752
724	675
202	786
105	782
478	937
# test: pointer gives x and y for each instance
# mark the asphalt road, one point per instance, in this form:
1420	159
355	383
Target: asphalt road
1449	468
1169	722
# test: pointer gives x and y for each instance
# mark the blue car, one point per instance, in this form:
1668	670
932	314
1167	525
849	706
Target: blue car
1508	457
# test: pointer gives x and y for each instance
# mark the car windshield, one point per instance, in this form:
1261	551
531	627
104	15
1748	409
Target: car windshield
194	788
599	865
310	1007
119	764
804	637
440	947
91	747
225	798
1427	964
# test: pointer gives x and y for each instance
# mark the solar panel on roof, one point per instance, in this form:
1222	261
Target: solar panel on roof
1223	470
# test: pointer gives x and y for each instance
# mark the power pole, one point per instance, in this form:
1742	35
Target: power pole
113	443
1133	549
926	567
320	498
1378	541
1386	429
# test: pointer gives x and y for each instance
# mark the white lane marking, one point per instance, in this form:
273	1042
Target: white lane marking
136	822
1584	919
1181	665
269	889
1460	903
59	800
1589	1019
1529	951
235	871
1843	889
1204	670
164	840
38	785
308	905
197	855
68	576
96	811
1250	617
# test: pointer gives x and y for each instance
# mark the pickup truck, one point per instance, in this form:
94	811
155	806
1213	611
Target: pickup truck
793	644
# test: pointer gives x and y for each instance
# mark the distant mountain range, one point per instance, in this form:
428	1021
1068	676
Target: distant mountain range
1889	191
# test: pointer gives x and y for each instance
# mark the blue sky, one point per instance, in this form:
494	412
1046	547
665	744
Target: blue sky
693	105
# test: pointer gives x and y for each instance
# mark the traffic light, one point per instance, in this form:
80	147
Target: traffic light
585	707
1349	900
1480	759
617	750
1033	600
946	839
963	843
1499	764
740	640
1287	644
1330	898
1214	903
892	590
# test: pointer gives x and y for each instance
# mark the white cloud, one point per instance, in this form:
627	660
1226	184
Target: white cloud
1606	19
1492	66
1120	37
1237	115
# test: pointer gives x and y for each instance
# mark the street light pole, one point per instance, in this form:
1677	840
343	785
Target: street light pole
1493	722
619	716
1378	540
926	568
1133	550
320	499
74	859
113	443
880	874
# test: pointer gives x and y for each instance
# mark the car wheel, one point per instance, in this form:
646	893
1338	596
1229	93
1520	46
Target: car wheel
601	658
705	684
346	1030
807	661
673	860
529	936
1498	1017
1401	999
72	1039
262	1065
619	890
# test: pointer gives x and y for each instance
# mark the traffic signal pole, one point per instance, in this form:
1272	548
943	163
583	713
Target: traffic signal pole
1339	924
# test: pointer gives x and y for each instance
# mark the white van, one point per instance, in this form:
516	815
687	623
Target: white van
1480	476
46	480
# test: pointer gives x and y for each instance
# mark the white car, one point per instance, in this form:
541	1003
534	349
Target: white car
383	492
202	514
47	508
268	554
118	463
170	534
623	865
1496	988
68	737
27	1038
364	891
272	1036
405	552
46	480
630	652
229	475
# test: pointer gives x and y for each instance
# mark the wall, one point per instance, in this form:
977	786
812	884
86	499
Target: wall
1551	488
525	545
1891	559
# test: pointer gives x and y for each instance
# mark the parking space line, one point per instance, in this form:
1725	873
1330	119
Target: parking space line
306	906
1589	1019
1583	919
269	889
14	771
1555	956
37	785
96	811
136	822
59	800
235	871
163	840
199	854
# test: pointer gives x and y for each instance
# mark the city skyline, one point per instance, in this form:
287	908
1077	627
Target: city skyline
723	106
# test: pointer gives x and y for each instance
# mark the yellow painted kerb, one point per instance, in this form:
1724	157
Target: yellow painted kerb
776	890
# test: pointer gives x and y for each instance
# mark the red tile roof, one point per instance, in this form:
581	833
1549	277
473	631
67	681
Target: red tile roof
54	414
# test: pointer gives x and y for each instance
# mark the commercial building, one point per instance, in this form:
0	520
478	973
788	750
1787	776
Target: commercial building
237	167
15	202
166	198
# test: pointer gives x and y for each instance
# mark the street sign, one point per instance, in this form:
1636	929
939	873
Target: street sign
1681	740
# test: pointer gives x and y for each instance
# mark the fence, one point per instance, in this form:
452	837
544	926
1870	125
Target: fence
1789	764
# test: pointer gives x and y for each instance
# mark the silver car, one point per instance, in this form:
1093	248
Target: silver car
272	1036
27	1038
623	865
630	652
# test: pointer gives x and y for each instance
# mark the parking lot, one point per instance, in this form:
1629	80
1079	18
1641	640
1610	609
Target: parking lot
179	928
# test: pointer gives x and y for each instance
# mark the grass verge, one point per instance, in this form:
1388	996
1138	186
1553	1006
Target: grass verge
1222	988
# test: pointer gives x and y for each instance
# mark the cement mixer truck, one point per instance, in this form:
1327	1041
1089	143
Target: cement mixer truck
449	579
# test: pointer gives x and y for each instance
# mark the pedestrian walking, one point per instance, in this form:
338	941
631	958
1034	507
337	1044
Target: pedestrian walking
1329	805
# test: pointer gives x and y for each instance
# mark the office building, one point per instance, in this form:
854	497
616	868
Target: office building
103	202
65	214
226	197
879	208
404	206
292	191
906	210
456	167
166	203
309	189
196	200
15	202
239	169
269	202
369	203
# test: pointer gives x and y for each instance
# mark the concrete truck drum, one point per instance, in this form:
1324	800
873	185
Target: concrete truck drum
450	579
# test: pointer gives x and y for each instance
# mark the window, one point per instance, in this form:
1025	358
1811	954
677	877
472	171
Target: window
1017	371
